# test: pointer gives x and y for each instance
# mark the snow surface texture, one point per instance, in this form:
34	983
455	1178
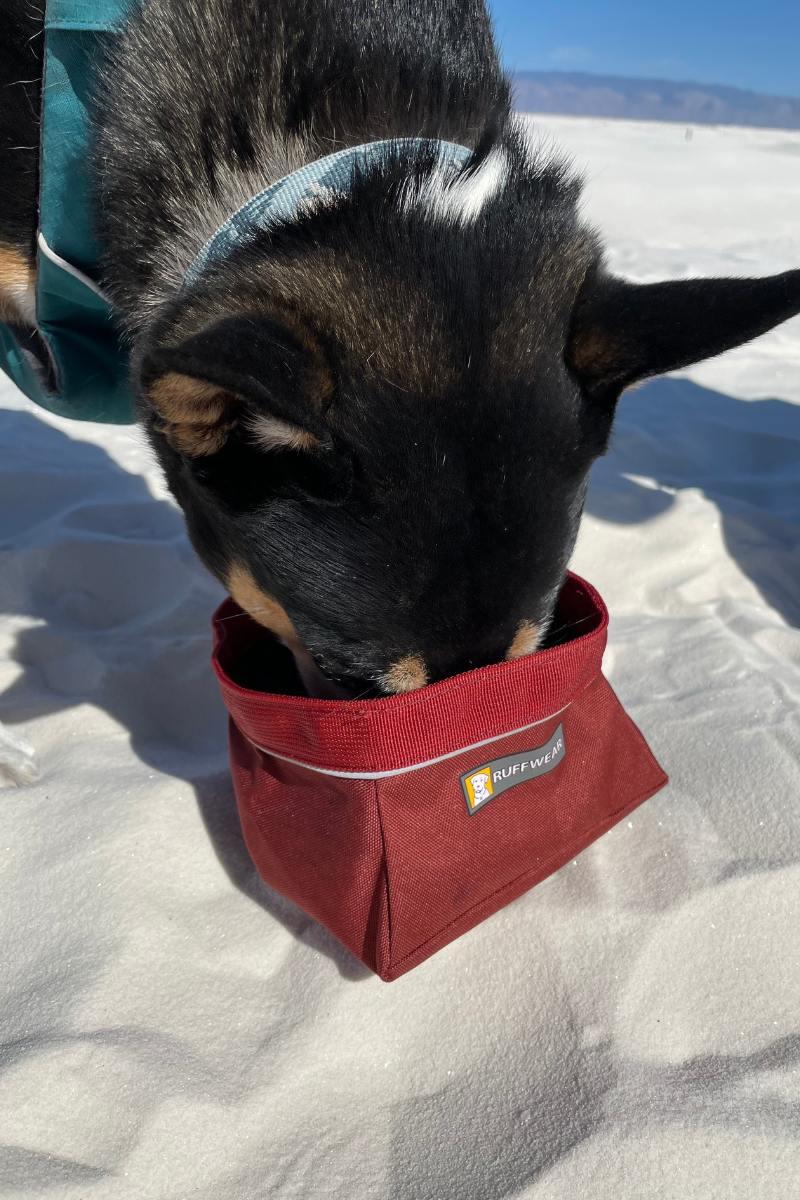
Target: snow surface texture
630	1030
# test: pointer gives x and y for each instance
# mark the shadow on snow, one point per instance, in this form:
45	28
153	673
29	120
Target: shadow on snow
743	455
115	612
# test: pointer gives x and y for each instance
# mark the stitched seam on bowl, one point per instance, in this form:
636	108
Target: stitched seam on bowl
429	762
385	873
360	711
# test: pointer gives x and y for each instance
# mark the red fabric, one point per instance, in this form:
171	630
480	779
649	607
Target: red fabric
398	866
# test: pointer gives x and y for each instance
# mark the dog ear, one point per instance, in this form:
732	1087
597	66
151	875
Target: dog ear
623	332
269	377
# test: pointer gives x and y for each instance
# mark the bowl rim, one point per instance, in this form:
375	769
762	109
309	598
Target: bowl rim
432	691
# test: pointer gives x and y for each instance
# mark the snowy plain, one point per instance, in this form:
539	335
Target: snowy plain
630	1030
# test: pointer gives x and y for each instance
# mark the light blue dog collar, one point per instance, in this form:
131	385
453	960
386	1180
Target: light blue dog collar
281	200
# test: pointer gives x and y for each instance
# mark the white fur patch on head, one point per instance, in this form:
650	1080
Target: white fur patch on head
460	199
271	433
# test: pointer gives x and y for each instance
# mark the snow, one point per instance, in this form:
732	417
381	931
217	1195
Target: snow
171	1028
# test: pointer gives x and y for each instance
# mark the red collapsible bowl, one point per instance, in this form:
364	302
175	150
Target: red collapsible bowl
402	822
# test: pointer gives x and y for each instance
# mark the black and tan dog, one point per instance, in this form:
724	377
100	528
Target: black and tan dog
378	417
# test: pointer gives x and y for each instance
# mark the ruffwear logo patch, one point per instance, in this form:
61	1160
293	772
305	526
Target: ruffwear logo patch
482	784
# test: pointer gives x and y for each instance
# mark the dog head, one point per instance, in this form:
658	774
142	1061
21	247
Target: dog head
479	788
380	418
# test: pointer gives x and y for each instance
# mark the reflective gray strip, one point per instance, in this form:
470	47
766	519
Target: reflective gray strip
416	766
68	267
282	200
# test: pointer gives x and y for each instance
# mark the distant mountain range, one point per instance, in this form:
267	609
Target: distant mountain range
579	93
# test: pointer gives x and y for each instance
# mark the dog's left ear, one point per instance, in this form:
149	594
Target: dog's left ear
268	376
623	332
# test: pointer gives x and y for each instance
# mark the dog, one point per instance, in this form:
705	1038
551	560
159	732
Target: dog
479	790
378	414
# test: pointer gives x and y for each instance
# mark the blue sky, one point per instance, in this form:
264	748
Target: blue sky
748	45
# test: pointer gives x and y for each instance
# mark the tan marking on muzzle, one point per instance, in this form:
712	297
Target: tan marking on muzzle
269	613
525	640
260	606
406	675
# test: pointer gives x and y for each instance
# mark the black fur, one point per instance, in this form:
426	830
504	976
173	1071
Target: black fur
458	377
427	525
210	100
21	50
